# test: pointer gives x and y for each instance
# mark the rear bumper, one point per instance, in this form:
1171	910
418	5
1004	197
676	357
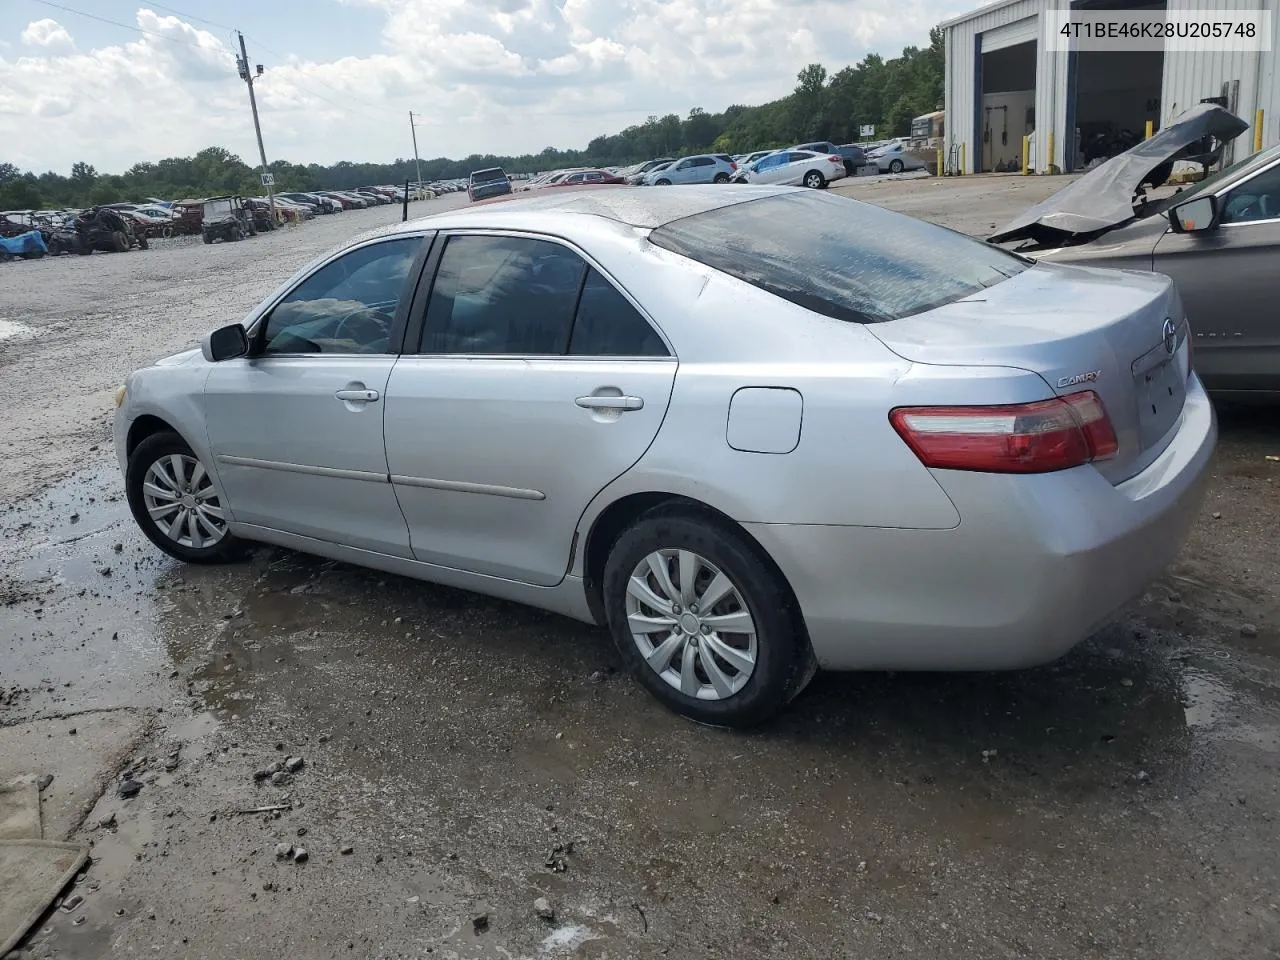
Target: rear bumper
1035	566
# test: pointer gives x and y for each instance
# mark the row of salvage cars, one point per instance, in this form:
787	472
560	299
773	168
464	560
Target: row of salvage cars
752	433
82	232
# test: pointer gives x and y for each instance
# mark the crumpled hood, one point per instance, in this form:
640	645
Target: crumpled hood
1103	197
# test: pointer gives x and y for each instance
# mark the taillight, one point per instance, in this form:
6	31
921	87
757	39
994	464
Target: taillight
1014	438
834	159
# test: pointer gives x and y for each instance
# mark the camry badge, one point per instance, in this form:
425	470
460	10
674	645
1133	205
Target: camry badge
1170	334
1087	377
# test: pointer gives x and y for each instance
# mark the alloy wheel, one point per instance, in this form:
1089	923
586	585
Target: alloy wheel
691	624
179	497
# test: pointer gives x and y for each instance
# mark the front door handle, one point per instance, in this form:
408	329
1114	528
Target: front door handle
357	396
610	403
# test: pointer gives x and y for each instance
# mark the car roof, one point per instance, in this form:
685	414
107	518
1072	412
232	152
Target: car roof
639	207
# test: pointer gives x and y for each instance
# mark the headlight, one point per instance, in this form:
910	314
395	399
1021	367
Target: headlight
121	393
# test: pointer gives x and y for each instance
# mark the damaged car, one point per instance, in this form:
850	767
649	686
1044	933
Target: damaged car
1218	239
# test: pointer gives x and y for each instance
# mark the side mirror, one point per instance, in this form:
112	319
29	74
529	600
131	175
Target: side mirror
1194	216
225	343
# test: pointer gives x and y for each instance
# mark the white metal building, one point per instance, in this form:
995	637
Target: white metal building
1003	82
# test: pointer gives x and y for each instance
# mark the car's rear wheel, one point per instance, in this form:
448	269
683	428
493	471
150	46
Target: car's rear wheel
119	241
174	501
722	178
814	180
895	166
703	620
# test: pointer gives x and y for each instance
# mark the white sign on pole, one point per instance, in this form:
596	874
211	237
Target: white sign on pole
268	179
867	130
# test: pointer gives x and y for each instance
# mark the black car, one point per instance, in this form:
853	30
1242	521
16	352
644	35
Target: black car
851	153
492	182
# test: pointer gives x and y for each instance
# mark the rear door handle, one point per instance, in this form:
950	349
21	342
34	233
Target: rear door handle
357	396
610	403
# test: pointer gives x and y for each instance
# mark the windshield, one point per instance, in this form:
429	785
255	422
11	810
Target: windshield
488	176
217	208
838	257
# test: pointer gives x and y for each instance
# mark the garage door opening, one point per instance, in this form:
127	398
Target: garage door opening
1115	95
1007	111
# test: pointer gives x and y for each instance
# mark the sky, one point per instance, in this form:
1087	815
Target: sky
341	76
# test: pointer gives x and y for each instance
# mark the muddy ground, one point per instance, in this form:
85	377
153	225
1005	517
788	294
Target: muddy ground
464	757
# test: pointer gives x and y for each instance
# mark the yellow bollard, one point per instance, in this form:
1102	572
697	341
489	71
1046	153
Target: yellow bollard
1026	155
1051	166
960	172
1257	131
1151	128
939	160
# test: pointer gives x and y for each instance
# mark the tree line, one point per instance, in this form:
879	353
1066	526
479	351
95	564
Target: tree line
875	91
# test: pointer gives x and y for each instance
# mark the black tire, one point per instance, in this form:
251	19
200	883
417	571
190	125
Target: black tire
154	448
896	166
814	180
663	183
722	178
142	243
237	233
208	237
783	659
119	242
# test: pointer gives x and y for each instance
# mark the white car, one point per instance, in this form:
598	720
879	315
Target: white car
894	159
793	168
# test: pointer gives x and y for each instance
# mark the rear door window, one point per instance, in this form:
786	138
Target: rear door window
501	295
607	325
837	257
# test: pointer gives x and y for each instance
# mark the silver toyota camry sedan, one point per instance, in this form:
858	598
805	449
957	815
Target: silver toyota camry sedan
753	432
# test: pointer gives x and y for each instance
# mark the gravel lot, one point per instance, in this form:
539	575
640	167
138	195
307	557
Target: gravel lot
464	757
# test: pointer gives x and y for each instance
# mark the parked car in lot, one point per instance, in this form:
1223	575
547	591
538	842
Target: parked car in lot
483	184
753	157
640	171
579	177
705	168
894	158
850	153
797	431
793	168
1218	239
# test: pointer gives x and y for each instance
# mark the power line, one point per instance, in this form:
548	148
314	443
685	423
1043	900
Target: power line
117	23
188	16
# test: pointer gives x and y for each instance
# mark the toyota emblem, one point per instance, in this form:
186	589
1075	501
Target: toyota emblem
1170	336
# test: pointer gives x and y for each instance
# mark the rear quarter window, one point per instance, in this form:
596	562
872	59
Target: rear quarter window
839	258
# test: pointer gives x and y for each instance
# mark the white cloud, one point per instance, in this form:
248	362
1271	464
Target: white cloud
506	76
46	33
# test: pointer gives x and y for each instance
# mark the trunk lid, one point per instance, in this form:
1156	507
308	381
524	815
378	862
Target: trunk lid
1078	328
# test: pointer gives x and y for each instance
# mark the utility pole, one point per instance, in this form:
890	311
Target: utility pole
416	162
248	77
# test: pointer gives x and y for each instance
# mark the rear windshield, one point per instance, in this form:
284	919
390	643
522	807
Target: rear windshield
488	176
838	257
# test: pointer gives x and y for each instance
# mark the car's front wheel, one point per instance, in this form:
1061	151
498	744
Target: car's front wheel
663	183
703	620
174	501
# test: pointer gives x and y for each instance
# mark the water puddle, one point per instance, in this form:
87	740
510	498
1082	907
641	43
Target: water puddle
1212	708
